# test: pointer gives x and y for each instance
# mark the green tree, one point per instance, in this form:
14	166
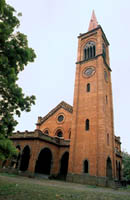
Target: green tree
14	56
126	165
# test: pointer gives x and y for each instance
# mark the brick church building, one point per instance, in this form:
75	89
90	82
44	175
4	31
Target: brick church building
78	142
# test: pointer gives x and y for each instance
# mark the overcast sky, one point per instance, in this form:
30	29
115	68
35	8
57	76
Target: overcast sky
52	27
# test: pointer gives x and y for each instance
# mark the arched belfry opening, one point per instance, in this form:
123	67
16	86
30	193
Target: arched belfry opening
25	158
90	50
64	164
109	168
44	162
104	50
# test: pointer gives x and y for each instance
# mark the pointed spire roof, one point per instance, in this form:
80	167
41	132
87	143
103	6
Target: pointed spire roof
93	22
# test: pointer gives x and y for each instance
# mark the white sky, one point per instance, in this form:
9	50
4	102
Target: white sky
52	27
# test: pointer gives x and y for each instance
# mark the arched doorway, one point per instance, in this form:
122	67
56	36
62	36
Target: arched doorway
119	171
43	164
86	166
109	168
25	158
64	164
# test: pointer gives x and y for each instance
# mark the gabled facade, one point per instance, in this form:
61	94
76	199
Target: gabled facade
79	141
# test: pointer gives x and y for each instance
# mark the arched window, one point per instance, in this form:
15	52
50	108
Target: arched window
87	125
85	166
88	87
89	50
104	50
59	134
46	132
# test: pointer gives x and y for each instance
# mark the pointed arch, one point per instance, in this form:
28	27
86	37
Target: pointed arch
44	162
89	50
59	132
86	166
46	131
64	164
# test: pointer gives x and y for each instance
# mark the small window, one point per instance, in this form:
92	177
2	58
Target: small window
106	100
85	54
46	132
108	139
85	166
87	125
104	51
88	87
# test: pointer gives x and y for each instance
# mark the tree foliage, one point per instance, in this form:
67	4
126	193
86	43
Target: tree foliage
14	56
7	149
126	165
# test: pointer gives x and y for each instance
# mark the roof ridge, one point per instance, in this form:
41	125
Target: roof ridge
62	104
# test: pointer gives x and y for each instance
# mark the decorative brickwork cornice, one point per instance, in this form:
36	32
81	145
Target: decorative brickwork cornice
83	61
63	105
92	32
89	35
39	135
89	32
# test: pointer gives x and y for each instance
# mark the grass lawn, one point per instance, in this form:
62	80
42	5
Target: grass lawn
22	188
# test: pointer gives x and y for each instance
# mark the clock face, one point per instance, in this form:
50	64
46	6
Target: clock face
89	71
105	75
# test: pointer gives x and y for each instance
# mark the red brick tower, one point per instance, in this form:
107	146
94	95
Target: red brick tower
92	140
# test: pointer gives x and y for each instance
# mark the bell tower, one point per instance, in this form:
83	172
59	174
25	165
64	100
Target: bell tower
92	131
